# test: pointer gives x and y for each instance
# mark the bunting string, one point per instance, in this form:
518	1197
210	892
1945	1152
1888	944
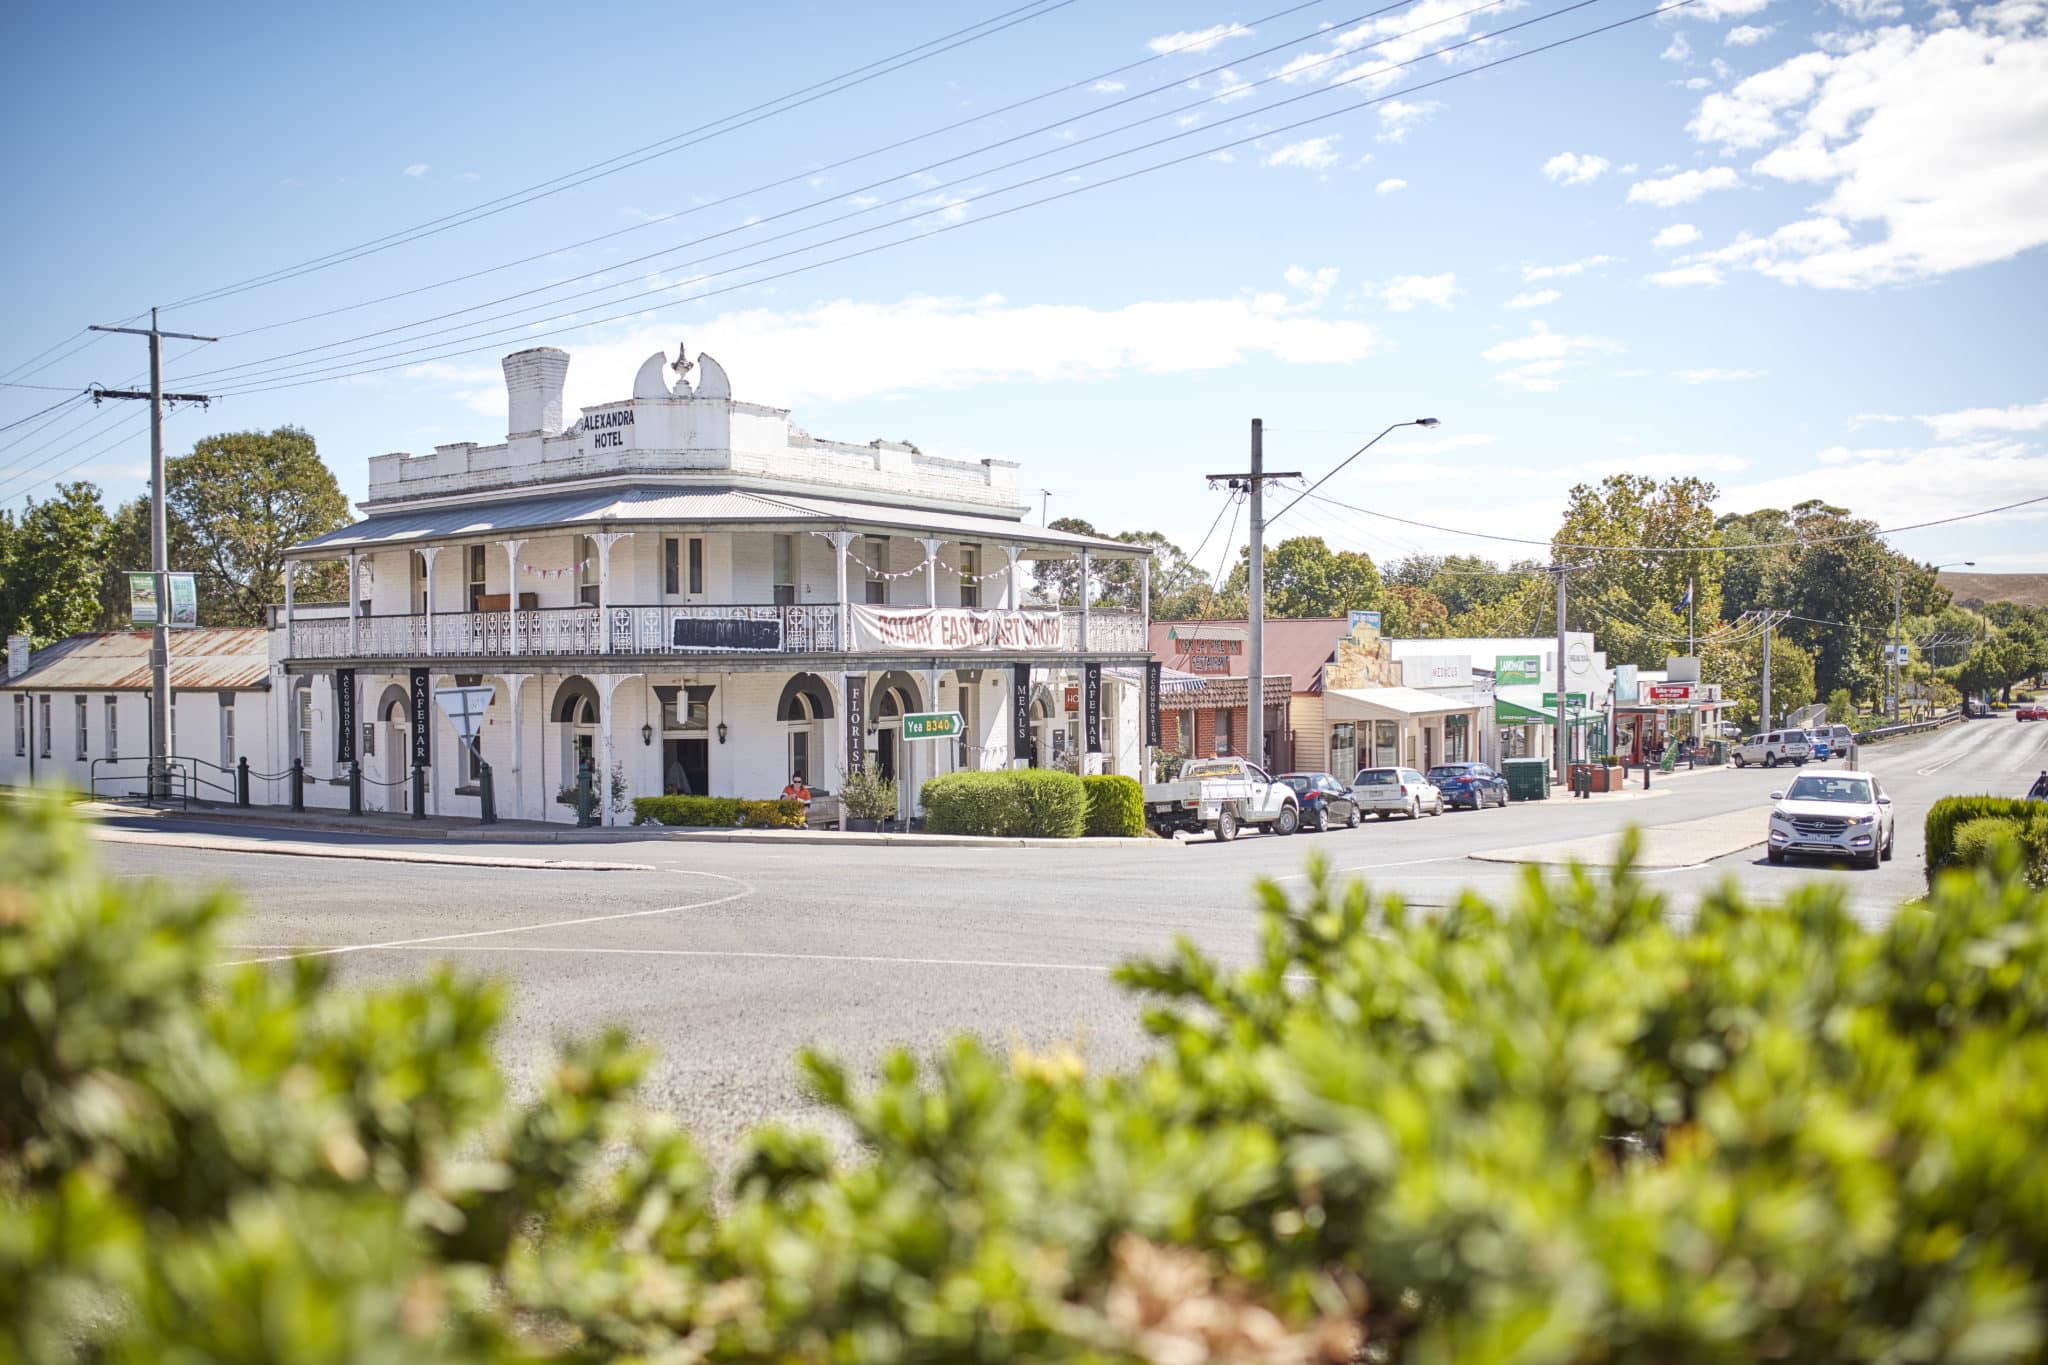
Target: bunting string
576	568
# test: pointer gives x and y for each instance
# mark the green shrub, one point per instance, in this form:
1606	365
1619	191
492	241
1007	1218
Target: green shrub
1989	840
1558	1129
717	812
1116	807
776	814
1951	811
1028	803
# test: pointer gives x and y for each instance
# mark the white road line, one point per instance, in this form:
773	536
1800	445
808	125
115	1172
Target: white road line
745	890
426	945
1963	751
1374	867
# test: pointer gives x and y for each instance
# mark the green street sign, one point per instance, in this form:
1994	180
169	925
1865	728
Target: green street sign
932	725
1575	700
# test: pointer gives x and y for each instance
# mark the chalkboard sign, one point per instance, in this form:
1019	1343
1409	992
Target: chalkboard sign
725	633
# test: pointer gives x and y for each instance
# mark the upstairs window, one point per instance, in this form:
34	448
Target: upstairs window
875	554
671	566
696	566
970	576
476	576
785	571
586	571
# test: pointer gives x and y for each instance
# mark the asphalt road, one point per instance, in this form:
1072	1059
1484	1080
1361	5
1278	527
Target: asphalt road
728	958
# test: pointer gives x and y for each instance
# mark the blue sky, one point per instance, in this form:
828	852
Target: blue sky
1792	248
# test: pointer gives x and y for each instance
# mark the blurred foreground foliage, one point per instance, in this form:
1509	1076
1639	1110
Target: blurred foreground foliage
1557	1130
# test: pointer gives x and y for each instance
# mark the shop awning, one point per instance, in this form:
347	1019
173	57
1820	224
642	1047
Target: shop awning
1389	703
1520	705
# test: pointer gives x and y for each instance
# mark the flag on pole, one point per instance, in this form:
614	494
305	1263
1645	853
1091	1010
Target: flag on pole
1688	594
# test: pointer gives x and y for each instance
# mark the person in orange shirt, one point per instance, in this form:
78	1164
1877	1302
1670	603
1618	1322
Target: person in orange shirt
796	790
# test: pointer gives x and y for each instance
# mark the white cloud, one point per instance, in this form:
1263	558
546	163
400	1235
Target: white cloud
1713	376
1677	235
922	343
1679	49
1390	185
1197	40
1406	292
1949	426
1317	284
1748	35
1682	188
1107	87
1533	273
1438	445
1398	116
1932	148
1314	154
1899	486
1713	11
1534	298
1867	10
417	169
469	177
1570	168
1537	360
1391	39
1682	276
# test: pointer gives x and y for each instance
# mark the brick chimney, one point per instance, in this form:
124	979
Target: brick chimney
533	387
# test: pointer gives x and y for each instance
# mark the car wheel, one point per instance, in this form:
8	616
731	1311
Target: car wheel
1287	821
1871	863
1226	825
1739	763
1415	808
1770	760
1322	820
1352	821
1890	839
1776	855
1439	805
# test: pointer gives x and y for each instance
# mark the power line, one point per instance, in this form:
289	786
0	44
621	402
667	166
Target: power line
60	403
322	374
625	160
46	388
229	374
816	170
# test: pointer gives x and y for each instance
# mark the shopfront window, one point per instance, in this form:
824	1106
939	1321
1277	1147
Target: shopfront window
1457	739
1344	750
1386	744
1222	733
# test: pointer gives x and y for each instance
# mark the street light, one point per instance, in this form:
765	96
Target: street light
1416	422
1898	584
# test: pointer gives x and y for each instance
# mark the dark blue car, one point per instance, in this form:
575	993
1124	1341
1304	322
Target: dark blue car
1473	785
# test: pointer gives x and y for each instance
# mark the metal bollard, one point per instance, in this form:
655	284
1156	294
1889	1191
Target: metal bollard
586	803
242	782
1646	772
487	793
419	792
298	786
355	788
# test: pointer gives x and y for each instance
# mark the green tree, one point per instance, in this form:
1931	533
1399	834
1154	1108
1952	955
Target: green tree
1305	577
1673	522
1841	706
1059	580
1411	613
50	565
244	498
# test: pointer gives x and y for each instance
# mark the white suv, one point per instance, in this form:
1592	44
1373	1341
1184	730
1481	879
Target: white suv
1774	747
1833	815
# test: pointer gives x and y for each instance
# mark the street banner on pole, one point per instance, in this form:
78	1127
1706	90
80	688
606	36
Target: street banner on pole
183	590
142	599
856	721
1154	731
344	715
1091	683
17	655
422	718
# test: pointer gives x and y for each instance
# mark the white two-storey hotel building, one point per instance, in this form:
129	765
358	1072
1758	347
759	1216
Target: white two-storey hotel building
693	594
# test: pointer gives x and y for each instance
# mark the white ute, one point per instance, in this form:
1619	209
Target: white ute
1220	795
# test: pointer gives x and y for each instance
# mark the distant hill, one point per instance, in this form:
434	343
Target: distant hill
2027	589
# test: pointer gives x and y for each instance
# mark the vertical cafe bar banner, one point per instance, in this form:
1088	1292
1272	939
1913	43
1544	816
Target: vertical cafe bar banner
1154	731
1020	712
856	721
1091	687
344	715
422	719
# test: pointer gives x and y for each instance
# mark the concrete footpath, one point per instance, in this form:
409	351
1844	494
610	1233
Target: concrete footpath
1683	843
377	853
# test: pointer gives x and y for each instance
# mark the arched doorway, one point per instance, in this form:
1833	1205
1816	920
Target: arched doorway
894	696
577	719
390	767
805	706
1046	726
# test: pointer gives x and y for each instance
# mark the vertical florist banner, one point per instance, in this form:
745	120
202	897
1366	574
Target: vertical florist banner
344	715
1020	711
1091	687
422	718
856	721
1155	733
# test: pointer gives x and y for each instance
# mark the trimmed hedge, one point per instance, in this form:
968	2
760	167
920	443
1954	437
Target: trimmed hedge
1027	803
1951	811
717	812
1116	807
1988	841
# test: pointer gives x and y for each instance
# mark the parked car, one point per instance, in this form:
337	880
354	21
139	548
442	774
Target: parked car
1833	815
1469	784
1730	730
1772	748
1820	745
1840	737
1220	795
1396	791
1324	801
2030	711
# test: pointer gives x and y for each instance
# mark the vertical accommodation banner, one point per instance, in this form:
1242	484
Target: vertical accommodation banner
1020	712
344	715
856	720
1091	687
422	719
1154	731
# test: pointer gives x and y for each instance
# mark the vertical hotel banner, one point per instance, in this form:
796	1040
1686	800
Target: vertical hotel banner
1020	712
1091	686
422	719
344	715
1155	733
856	721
